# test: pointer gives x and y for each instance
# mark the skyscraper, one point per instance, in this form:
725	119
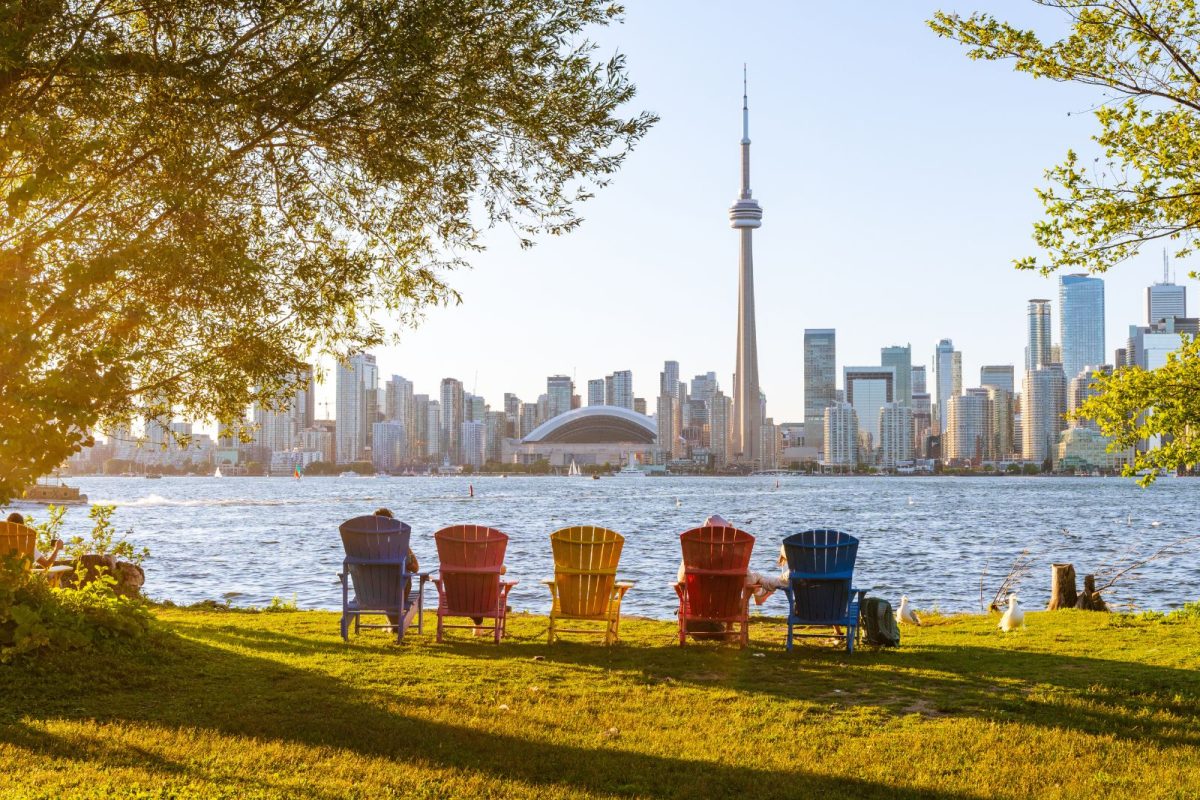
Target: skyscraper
720	412
1165	300
356	386
669	427
969	433
900	358
1080	321
1037	350
745	216
668	379
622	389
841	436
1039	420
895	434
820	379
596	392
559	389
943	365
998	375
453	416
918	380
868	390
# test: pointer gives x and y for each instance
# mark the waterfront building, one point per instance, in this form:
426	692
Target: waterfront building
454	414
474	443
275	429
1003	445
899	357
919	380
720	411
389	450
999	375
317	439
820	379
529	414
769	445
840	436
895	433
559	389
596	392
419	439
868	389
400	406
512	416
922	414
1037	350
1079	390
1083	448
668	379
621	382
1081	321
436	437
745	216
543	408
968	429
670	427
1165	300
1041	417
592	435
495	423
356	404
944	378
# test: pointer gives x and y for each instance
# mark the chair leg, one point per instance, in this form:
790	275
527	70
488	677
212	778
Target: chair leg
550	633
850	633
439	628
789	638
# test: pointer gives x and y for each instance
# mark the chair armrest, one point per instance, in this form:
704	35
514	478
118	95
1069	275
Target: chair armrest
680	589
547	581
510	583
626	583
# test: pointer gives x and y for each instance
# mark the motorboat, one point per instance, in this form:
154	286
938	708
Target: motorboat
630	470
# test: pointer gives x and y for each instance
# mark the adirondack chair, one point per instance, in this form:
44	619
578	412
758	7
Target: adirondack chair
21	541
470	580
585	585
819	588
713	597
375	565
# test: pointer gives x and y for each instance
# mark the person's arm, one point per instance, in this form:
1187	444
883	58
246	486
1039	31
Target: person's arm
46	562
412	565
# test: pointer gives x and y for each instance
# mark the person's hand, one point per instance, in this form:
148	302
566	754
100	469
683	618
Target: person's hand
57	544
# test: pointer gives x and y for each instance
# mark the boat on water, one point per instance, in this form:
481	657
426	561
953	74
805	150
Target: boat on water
349	474
630	470
218	474
574	471
58	494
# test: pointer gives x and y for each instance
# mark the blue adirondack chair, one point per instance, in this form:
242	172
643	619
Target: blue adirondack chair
819	588
375	565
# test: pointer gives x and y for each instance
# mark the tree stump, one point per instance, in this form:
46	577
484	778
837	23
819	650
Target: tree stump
1062	587
1089	598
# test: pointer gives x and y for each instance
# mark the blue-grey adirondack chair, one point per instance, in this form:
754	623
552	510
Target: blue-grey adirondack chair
819	588
375	565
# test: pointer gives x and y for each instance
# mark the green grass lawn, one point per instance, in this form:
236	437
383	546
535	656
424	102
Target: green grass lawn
225	704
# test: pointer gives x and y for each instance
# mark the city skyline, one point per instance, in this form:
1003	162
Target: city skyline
934	228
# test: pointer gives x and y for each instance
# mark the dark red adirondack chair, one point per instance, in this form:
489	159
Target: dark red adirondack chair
714	601
470	582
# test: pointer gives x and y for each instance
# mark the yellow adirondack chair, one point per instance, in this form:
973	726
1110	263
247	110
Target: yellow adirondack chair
20	540
585	585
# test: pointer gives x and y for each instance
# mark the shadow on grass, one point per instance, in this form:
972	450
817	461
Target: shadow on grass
200	684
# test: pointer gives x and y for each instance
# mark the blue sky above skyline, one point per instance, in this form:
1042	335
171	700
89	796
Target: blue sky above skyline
897	181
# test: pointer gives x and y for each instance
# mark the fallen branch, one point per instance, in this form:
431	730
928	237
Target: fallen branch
1114	574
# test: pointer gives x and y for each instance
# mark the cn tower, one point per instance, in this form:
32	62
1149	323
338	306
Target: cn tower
744	216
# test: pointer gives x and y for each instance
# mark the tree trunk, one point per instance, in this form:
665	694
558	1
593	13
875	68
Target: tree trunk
1062	587
1089	598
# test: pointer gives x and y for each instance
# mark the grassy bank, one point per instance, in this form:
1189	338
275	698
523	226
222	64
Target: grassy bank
224	704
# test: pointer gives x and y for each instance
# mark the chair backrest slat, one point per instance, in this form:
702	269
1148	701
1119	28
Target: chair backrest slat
585	567
19	540
470	560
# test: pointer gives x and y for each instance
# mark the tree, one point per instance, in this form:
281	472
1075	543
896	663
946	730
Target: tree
1144	188
198	197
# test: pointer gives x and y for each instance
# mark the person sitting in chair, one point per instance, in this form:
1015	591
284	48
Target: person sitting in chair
43	560
411	565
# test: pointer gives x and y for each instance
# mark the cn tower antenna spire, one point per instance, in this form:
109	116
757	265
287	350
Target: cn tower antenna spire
745	108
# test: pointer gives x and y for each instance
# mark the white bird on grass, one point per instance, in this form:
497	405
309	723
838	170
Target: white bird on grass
906	614
1014	617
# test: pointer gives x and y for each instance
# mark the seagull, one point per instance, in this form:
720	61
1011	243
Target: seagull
1014	617
1129	519
1156	524
678	502
910	502
906	614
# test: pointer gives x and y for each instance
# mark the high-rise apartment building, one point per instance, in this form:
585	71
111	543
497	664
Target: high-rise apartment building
529	418
1079	390
596	392
399	406
720	410
454	414
389	450
895	434
922	413
668	379
670	427
433	424
1003	445
512	416
998	375
559	389
969	433
356	405
899	357
868	390
473	435
1081	321
497	425
840	436
820	382
418	447
943	366
1042	405
919	385
1038	344
622	389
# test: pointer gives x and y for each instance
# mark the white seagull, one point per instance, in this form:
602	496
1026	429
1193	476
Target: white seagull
1014	617
906	614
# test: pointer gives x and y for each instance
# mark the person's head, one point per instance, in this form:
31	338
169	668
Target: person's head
17	518
384	512
717	521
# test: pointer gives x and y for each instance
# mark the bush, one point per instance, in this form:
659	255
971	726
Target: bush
36	618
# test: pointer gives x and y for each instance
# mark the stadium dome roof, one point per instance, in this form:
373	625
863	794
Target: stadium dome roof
595	425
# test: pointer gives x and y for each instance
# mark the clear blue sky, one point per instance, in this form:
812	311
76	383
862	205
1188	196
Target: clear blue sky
896	178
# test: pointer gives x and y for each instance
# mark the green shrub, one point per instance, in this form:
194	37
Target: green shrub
36	618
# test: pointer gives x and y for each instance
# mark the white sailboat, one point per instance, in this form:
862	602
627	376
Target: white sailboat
574	471
218	474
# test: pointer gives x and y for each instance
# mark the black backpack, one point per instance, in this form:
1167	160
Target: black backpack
879	622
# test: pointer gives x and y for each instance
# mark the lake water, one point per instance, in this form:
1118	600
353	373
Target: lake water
249	539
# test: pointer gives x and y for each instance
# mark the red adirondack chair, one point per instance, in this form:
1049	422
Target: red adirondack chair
470	582
713	597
